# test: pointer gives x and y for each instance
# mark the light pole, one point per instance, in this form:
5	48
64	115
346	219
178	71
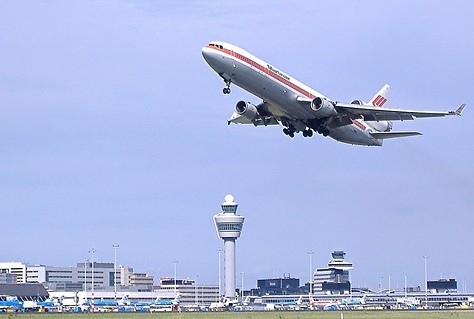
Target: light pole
175	262
389	283
85	279
242	286
219	251
311	253
92	251
196	291
115	246
406	288
350	282
426	280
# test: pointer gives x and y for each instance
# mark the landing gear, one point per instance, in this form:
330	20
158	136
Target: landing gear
290	131
323	130
308	133
226	90
320	126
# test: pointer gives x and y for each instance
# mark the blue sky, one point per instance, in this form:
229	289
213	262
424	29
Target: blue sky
113	130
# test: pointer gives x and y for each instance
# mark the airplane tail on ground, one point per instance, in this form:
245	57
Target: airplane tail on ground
124	300
381	97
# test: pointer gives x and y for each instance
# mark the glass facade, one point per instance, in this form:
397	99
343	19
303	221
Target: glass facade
229	226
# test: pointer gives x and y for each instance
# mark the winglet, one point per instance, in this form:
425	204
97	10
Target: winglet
459	110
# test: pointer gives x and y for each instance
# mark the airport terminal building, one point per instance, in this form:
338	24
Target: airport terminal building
102	276
331	286
98	280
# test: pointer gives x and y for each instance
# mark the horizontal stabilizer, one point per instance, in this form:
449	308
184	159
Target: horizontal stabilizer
384	135
238	119
264	120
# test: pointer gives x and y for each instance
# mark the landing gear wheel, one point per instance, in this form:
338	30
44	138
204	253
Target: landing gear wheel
226	90
324	131
307	133
289	131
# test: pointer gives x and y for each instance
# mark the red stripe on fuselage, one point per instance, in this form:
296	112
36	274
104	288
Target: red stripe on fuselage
264	69
358	124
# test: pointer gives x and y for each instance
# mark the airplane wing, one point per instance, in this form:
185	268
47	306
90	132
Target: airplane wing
371	113
264	120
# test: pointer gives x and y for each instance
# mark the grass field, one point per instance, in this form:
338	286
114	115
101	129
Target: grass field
256	315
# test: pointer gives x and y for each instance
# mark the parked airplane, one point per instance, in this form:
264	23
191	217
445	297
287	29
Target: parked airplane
162	305
299	108
408	302
289	305
102	305
353	301
41	306
125	305
8	303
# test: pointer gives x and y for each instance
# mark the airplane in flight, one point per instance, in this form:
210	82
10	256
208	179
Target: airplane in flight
299	108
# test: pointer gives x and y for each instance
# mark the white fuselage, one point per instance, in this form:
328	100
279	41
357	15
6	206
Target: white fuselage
282	92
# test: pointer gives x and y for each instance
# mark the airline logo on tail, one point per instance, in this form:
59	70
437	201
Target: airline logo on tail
379	101
381	97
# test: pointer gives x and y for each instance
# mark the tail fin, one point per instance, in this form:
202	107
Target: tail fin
381	97
124	300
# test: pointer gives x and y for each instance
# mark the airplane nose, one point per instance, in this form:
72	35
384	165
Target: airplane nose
206	53
212	58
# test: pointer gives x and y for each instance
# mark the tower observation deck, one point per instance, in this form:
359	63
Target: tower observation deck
229	226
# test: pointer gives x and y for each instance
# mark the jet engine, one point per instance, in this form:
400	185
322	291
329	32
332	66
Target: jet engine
358	102
247	110
381	126
323	107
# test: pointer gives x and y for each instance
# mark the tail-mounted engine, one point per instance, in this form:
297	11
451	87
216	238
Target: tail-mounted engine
381	126
247	110
323	107
358	102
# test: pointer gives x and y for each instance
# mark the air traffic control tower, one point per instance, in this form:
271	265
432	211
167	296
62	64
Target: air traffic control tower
228	226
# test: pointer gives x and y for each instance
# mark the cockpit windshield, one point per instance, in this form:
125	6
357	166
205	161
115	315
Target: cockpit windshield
216	45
